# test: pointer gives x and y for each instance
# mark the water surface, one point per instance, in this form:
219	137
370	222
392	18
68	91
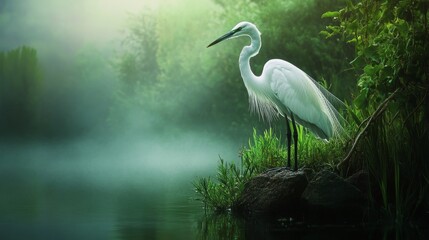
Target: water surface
96	189
132	190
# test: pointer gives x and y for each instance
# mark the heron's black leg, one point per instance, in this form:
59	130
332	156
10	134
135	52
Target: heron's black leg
289	141
295	140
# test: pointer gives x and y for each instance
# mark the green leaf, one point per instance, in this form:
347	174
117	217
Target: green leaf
362	99
330	14
369	70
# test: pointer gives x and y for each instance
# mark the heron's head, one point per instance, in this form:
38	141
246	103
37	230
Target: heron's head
241	29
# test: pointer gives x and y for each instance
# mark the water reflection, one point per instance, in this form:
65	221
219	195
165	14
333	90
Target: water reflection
88	190
408	230
226	226
48	210
221	226
166	215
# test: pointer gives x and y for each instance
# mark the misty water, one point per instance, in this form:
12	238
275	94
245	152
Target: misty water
105	189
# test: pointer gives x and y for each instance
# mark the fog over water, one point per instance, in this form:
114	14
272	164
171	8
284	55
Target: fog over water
109	163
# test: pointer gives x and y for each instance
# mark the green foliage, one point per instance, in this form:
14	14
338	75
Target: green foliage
164	72
391	39
223	194
20	83
396	158
317	154
138	66
267	151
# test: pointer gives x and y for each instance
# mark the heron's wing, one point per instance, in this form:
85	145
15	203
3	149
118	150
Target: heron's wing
337	103
300	95
334	105
292	93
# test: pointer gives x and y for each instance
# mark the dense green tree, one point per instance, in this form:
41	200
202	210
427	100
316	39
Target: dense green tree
77	99
391	40
138	66
20	83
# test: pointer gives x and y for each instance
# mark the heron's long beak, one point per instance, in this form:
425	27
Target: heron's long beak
224	37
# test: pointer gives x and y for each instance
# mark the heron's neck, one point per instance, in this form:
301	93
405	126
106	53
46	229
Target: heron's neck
244	60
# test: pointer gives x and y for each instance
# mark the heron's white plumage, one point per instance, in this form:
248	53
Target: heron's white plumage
285	89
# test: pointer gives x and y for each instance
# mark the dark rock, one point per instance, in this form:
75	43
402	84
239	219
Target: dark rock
309	173
274	192
360	180
328	197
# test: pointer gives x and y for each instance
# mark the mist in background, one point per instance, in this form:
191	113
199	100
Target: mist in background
79	45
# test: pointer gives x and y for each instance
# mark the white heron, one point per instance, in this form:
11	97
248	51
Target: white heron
285	89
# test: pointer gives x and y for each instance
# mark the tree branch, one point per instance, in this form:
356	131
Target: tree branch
380	109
